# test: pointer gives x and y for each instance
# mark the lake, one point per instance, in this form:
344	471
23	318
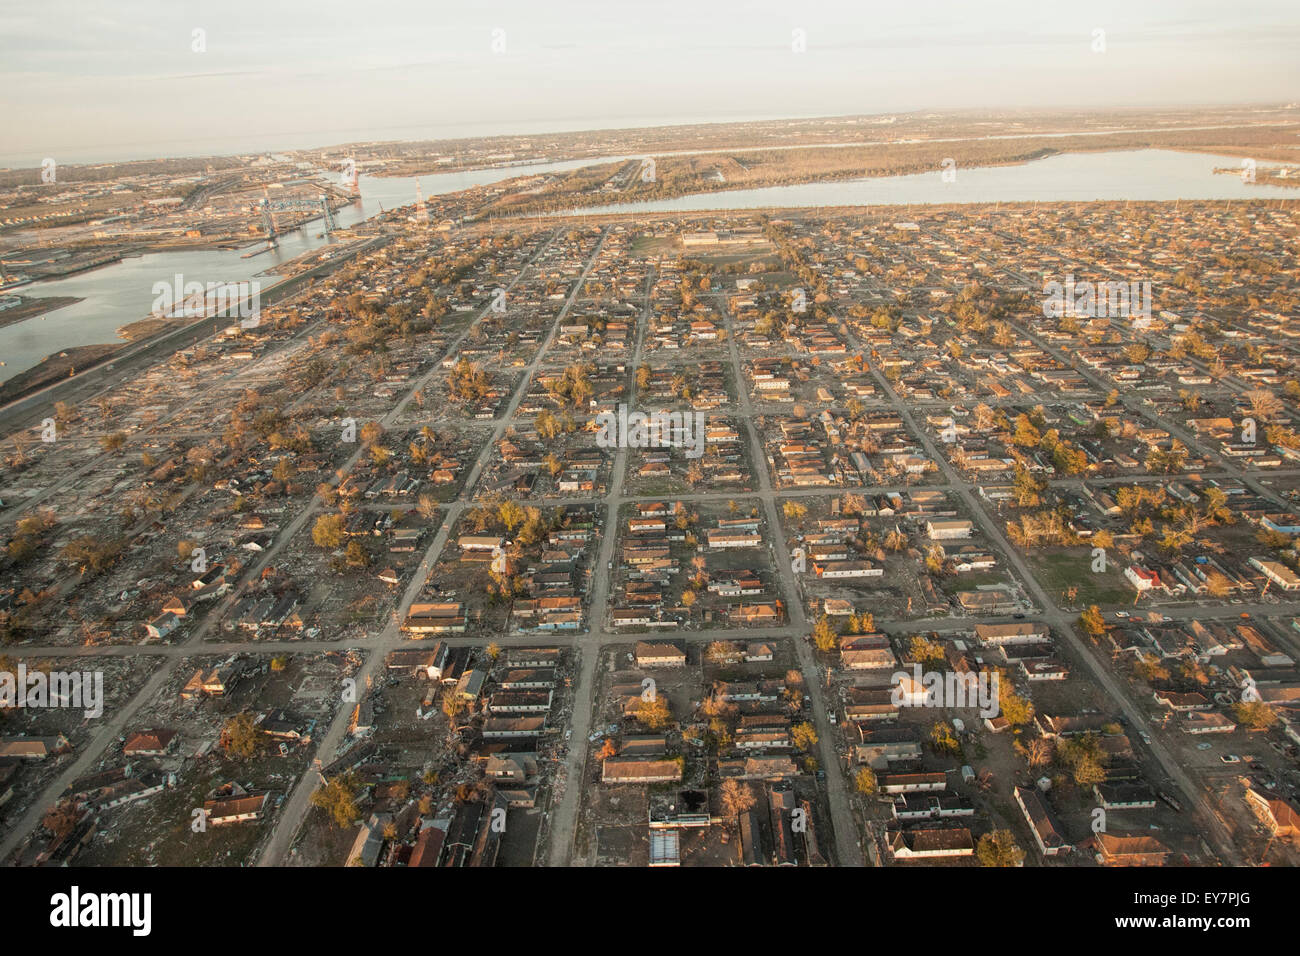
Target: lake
1146	174
118	294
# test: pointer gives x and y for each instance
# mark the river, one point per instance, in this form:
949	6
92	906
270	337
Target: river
118	294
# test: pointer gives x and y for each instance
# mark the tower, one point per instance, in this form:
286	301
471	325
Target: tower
421	210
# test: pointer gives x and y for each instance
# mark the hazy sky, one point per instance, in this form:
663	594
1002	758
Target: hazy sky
110	79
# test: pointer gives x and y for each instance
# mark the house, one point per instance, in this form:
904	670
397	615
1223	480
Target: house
1042	822
621	770
129	789
1182	703
436	618
1278	573
149	743
519	702
1125	796
884	745
470	685
659	655
1201	722
931	843
370	841
867	652
756	614
518	769
1143	579
481	543
33	748
162	625
948	529
1000	635
237	807
759	767
423	663
428	846
1279	815
213	682
513	727
913	782
991	601
922	806
1114	849
1044	669
838	570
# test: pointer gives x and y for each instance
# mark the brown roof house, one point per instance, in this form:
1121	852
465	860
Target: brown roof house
1279	815
1047	832
149	743
619	770
659	655
1114	849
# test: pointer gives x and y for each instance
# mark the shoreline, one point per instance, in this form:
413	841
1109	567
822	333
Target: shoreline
53	368
33	306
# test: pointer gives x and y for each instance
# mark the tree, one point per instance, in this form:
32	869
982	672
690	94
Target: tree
114	442
737	798
607	750
999	849
1038	752
824	635
804	735
1264	405
1016	709
865	781
654	713
327	532
241	736
511	514
1091	621
1026	435
338	798
1084	758
923	650
92	553
1254	714
944	740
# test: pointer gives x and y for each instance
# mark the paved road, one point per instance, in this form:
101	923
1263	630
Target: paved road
195	642
299	803
848	848
566	806
1063	624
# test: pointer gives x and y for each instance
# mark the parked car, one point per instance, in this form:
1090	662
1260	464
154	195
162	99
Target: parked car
1230	758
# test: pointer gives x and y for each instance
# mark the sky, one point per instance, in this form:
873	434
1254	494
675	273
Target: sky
88	80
